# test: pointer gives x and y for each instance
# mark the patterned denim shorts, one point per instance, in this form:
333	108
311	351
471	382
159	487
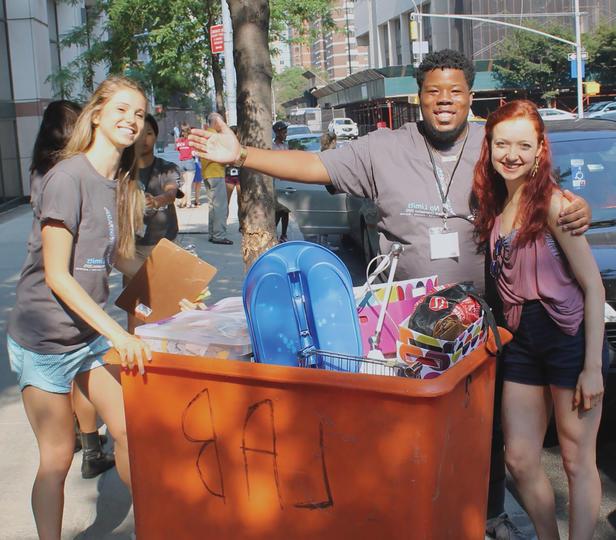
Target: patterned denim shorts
54	372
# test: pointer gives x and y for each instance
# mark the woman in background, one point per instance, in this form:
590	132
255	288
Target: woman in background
187	165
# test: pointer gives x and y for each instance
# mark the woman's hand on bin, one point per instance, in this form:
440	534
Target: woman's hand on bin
132	350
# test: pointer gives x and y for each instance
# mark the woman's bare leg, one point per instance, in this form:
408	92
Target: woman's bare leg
577	435
526	412
51	418
84	410
103	389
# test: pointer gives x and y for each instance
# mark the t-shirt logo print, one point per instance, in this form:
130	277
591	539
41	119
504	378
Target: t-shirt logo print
438	303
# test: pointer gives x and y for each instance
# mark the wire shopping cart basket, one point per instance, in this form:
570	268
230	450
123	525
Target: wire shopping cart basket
332	361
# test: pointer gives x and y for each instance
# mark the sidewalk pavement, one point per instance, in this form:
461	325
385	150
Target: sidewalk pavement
98	509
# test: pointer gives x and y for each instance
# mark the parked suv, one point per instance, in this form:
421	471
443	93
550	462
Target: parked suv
343	127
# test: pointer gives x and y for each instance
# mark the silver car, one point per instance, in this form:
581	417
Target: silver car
315	210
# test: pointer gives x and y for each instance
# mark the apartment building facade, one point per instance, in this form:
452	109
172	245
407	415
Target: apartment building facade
30	31
384	25
335	53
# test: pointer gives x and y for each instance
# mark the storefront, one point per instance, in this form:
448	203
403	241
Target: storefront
388	96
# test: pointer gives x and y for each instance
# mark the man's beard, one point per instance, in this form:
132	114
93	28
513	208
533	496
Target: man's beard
442	139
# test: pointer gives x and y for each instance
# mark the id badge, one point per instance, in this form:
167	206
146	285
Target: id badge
444	244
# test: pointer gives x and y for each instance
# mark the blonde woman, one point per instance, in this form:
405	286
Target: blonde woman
88	210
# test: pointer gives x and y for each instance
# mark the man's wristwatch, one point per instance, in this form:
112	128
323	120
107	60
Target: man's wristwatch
239	162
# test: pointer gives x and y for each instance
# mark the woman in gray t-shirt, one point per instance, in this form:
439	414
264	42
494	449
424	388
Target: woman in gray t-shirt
56	129
88	209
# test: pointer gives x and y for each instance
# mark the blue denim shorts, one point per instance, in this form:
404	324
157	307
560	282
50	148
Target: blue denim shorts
187	165
541	354
54	372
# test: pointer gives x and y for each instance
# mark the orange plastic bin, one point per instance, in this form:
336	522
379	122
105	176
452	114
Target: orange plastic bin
230	450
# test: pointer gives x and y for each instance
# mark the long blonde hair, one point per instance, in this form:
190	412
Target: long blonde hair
129	199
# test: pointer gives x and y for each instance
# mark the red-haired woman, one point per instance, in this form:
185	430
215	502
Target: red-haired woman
553	302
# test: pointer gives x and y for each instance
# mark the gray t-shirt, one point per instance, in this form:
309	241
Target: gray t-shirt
73	193
393	168
163	222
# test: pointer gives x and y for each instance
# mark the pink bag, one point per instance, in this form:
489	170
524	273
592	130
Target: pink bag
404	295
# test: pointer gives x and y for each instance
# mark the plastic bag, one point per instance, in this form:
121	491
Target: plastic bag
219	331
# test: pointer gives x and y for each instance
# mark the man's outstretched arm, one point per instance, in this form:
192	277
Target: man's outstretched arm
224	147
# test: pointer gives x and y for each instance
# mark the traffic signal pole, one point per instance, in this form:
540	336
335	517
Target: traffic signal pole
579	60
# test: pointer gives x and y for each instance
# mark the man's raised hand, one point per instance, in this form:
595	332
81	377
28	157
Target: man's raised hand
217	144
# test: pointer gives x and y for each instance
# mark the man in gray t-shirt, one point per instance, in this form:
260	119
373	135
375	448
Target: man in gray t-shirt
394	169
419	176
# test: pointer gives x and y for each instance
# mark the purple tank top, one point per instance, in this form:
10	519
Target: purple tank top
536	271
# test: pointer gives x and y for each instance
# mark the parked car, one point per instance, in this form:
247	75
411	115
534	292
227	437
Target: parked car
599	108
343	127
606	116
297	129
315	210
584	153
556	114
363	217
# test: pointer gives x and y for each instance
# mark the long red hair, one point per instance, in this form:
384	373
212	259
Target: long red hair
489	191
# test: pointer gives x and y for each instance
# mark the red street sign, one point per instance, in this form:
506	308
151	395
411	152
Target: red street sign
217	38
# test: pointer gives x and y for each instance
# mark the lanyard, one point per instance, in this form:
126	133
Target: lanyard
439	177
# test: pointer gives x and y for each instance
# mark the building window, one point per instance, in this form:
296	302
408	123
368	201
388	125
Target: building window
54	45
10	175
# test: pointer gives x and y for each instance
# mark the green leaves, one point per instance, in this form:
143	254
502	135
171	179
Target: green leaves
165	44
540	65
535	63
601	46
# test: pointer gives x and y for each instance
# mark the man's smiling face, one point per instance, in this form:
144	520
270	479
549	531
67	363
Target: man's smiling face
445	100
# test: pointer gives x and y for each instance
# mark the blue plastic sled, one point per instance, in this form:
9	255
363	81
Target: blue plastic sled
299	296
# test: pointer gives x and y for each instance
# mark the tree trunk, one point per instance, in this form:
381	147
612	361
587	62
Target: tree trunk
254	111
218	85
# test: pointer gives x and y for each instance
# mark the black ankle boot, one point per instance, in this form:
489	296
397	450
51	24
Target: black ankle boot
78	444
95	460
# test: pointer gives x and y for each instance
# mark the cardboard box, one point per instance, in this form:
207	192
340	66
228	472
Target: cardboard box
167	276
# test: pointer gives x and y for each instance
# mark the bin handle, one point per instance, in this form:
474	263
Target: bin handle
297	291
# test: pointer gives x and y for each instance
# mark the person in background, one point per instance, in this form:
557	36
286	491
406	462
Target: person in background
56	129
416	175
197	182
232	181
176	133
281	212
159	181
214	175
187	165
328	141
553	301
88	209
